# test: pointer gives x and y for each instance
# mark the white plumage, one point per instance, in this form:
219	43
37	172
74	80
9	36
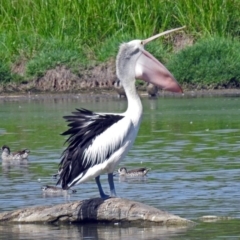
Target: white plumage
98	142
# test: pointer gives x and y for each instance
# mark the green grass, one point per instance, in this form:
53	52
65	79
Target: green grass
5	73
54	53
51	32
210	17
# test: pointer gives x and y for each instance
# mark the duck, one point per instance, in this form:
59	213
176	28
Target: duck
54	189
98	142
139	172
8	156
119	88
24	153
152	90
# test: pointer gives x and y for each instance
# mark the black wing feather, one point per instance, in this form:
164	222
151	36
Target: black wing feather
84	126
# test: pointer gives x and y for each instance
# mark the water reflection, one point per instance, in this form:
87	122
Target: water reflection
88	231
143	179
14	166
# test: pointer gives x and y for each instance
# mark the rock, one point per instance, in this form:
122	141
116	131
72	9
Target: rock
113	210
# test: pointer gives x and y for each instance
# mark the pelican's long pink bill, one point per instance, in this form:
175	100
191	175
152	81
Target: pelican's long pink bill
149	69
161	34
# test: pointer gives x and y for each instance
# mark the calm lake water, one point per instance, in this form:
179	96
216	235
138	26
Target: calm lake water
192	146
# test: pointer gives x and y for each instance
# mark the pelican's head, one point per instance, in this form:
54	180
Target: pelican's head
134	62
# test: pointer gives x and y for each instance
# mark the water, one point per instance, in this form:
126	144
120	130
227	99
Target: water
192	146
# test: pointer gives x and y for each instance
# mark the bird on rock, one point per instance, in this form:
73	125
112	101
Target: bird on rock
97	142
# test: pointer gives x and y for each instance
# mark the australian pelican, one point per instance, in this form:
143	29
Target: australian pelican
98	142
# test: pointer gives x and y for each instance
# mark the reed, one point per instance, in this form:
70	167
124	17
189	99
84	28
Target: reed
209	18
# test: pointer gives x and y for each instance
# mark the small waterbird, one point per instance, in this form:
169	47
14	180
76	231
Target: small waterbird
54	189
8	156
152	90
139	172
119	89
97	142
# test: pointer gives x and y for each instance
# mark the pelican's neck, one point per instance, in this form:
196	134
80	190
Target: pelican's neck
134	110
125	69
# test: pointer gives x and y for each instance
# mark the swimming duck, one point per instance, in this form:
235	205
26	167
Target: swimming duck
23	154
119	89
152	90
54	189
8	156
139	172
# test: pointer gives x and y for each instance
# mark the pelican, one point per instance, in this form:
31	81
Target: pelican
98	142
139	172
8	156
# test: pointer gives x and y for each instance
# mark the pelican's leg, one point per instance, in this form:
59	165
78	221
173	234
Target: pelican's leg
102	194
111	185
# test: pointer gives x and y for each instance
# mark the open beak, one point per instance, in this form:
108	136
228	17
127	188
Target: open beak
149	69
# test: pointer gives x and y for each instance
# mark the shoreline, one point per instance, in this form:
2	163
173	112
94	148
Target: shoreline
113	94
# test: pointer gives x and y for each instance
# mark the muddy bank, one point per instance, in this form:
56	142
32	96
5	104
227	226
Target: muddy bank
62	79
111	93
95	80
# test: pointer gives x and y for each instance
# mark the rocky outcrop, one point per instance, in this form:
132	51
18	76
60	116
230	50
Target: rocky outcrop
95	210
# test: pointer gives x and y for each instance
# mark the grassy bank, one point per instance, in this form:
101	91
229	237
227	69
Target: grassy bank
43	34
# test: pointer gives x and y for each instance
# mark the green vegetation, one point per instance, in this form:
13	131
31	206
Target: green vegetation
52	54
47	33
208	63
5	74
